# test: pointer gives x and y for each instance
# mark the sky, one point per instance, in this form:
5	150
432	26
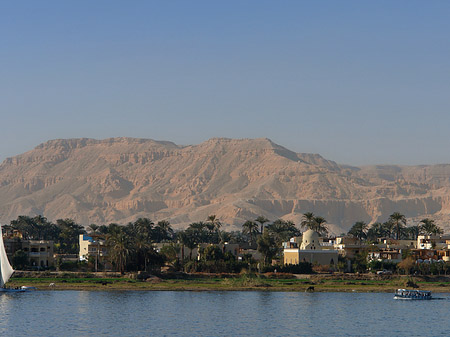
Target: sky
359	82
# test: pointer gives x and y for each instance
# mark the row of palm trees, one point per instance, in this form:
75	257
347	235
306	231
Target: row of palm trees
131	247
309	221
395	227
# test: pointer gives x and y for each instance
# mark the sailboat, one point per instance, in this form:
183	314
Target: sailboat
5	269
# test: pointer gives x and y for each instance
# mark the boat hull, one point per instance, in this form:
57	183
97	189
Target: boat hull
412	298
17	290
6	290
416	295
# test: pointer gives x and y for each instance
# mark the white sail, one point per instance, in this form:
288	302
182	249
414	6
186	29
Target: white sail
6	269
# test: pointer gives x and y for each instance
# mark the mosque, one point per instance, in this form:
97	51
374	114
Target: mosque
310	250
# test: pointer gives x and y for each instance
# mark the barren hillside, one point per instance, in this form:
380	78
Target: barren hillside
121	179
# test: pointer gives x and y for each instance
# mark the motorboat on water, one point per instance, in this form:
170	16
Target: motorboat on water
407	294
6	271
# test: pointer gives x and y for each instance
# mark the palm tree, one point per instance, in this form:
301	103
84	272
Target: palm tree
24	224
282	230
250	228
187	239
197	225
262	220
213	220
94	227
319	226
163	231
358	230
40	222
413	232
399	221
308	220
69	234
428	227
267	246
143	247
375	231
144	226
388	229
119	249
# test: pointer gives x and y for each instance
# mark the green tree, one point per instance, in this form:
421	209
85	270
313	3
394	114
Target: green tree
143	227
429	227
413	232
119	248
188	238
375	231
315	223
388	228
250	229
359	262
358	230
93	228
20	259
163	231
214	221
69	233
282	231
320	226
36	228
212	253
170	252
308	221
399	221
267	247
261	220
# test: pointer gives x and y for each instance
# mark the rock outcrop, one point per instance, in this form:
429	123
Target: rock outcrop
121	179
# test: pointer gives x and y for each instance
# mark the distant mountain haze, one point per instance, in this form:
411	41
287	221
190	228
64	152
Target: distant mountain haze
121	179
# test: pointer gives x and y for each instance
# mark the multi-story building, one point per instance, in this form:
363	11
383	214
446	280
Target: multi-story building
94	246
39	252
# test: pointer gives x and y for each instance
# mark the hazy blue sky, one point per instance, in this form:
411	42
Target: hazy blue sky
360	82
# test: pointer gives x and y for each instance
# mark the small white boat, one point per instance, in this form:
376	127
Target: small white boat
407	294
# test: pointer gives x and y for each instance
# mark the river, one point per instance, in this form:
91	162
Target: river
258	313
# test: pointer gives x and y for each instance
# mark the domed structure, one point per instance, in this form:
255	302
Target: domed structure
310	241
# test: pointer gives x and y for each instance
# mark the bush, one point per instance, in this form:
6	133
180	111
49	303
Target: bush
20	259
382	265
214	266
73	266
301	268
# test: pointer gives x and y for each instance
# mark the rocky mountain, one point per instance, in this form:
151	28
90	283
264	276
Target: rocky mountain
121	179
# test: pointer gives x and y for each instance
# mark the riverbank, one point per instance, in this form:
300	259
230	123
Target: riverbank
227	282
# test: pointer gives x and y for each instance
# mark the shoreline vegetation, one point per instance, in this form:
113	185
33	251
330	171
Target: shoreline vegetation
205	257
337	282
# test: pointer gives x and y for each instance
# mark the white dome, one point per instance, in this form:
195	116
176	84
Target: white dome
310	240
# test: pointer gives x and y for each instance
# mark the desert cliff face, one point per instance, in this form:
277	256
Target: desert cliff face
121	179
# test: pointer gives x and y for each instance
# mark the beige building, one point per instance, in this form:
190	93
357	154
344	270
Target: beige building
349	246
432	241
95	247
310	250
385	254
40	253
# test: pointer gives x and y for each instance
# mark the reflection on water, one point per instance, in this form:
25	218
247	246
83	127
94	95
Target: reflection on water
166	313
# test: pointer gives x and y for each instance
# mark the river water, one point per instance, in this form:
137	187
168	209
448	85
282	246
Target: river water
259	313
